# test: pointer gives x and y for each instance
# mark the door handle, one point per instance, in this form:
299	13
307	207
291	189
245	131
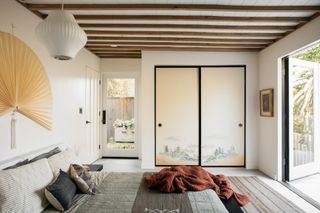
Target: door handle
104	117
88	122
240	125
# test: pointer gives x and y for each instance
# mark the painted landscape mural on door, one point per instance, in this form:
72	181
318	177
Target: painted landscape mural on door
221	155
173	151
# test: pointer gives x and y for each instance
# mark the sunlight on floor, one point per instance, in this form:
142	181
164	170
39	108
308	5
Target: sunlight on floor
309	186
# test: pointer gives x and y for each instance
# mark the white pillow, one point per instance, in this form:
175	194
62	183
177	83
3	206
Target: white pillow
62	161
22	189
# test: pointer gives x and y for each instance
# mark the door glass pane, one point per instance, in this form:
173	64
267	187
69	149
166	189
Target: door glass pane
303	114
120	113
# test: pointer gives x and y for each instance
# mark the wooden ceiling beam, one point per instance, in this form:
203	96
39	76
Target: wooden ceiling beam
118	51
185	7
190	18
119	56
100	48
111	49
179	39
190	26
168	48
182	33
104	44
107	52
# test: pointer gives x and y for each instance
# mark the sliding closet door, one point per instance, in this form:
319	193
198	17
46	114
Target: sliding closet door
222	116
177	116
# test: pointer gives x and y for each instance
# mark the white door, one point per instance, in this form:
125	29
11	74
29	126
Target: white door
177	116
303	118
91	149
222	116
120	111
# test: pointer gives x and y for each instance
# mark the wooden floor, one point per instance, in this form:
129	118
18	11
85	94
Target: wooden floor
125	165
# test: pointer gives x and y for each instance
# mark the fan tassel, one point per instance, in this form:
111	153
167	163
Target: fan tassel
13	130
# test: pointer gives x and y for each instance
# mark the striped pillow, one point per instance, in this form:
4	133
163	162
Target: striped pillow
22	189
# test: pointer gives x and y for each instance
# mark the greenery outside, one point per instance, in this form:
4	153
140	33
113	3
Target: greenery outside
303	91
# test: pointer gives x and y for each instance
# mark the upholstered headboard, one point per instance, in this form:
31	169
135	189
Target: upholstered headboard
29	155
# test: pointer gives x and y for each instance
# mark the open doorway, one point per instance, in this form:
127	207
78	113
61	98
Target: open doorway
120	116
302	119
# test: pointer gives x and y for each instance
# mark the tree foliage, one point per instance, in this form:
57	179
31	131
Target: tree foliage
312	54
303	90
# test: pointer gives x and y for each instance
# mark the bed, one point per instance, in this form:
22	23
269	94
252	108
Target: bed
127	192
22	190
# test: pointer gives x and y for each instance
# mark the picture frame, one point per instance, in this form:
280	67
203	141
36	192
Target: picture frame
266	103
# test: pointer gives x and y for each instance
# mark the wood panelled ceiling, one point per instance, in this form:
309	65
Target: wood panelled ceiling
124	30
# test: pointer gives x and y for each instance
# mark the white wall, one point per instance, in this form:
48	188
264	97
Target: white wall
150	59
270	77
120	65
67	80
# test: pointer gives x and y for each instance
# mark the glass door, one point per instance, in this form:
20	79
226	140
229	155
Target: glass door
303	118
119	117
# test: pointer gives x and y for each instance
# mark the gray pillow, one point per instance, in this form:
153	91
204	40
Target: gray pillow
21	163
46	155
60	193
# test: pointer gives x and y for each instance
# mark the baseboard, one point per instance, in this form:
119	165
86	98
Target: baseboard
111	157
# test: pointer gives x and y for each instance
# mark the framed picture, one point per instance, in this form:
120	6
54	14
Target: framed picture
266	102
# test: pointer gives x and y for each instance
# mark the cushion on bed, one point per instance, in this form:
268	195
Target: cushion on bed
62	161
46	155
21	163
60	193
22	189
82	178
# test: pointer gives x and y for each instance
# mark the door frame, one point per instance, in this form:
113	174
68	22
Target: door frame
199	90
136	76
285	135
85	110
286	122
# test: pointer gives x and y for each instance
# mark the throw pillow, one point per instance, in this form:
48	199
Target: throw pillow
61	192
22	189
82	178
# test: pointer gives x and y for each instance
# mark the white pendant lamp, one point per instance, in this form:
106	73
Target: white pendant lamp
61	34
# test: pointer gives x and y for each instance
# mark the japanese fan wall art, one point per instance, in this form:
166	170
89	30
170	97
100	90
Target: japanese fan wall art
24	84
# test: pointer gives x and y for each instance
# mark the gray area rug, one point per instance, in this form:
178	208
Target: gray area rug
262	197
117	192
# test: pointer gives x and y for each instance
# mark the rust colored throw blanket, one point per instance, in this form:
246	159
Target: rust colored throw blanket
193	178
